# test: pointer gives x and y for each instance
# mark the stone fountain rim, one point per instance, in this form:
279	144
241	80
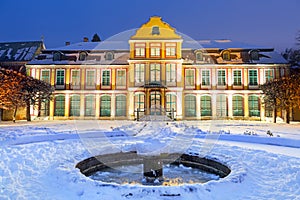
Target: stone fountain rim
94	164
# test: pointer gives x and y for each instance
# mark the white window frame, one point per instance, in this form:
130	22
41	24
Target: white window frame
155	49
105	86
60	86
140	50
43	70
137	79
223	86
171	75
253	86
118	86
192	86
210	81
71	83
265	77
90	86
242	79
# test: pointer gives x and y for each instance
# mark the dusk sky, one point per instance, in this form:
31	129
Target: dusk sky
272	23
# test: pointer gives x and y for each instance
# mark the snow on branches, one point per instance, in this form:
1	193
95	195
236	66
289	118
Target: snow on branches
19	90
283	93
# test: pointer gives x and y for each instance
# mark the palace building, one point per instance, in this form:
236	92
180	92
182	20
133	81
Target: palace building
155	70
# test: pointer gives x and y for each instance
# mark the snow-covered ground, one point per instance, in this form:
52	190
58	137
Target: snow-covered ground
37	159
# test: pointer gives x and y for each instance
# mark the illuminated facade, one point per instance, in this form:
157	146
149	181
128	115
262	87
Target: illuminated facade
157	71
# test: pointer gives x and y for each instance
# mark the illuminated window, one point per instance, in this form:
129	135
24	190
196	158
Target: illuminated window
121	105
45	75
89	109
254	109
75	105
205	106
253	77
226	55
105	106
44	108
222	77
121	78
60	77
237	77
269	75
171	73
75	78
205	77
139	102
170	102
140	50
190	77
190	105
90	78
170	49
155	49
106	78
59	103
221	105
155	72
139	73
237	106
199	56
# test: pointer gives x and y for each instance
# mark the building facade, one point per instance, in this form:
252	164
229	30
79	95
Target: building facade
15	56
155	70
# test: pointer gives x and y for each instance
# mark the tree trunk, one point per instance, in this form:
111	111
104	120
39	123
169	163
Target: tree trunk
274	114
28	117
1	111
287	115
15	114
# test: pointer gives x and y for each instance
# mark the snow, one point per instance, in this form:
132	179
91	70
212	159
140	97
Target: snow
38	159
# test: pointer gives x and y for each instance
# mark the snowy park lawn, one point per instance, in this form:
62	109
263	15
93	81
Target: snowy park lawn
38	159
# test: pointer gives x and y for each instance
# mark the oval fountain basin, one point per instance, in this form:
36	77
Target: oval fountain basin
166	169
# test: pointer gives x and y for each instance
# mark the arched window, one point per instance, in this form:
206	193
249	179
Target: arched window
190	105
105	106
254	108
75	105
170	102
205	106
109	56
221	105
139	102
56	56
82	56
199	56
237	105
226	55
89	109
121	105
155	30
59	103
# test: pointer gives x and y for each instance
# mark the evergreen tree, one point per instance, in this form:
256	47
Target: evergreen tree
96	38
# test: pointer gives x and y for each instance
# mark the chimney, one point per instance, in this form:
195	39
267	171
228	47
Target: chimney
85	39
68	43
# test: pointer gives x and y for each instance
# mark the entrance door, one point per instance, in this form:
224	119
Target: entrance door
155	103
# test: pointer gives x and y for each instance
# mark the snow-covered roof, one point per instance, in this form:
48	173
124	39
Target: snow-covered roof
120	44
19	51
